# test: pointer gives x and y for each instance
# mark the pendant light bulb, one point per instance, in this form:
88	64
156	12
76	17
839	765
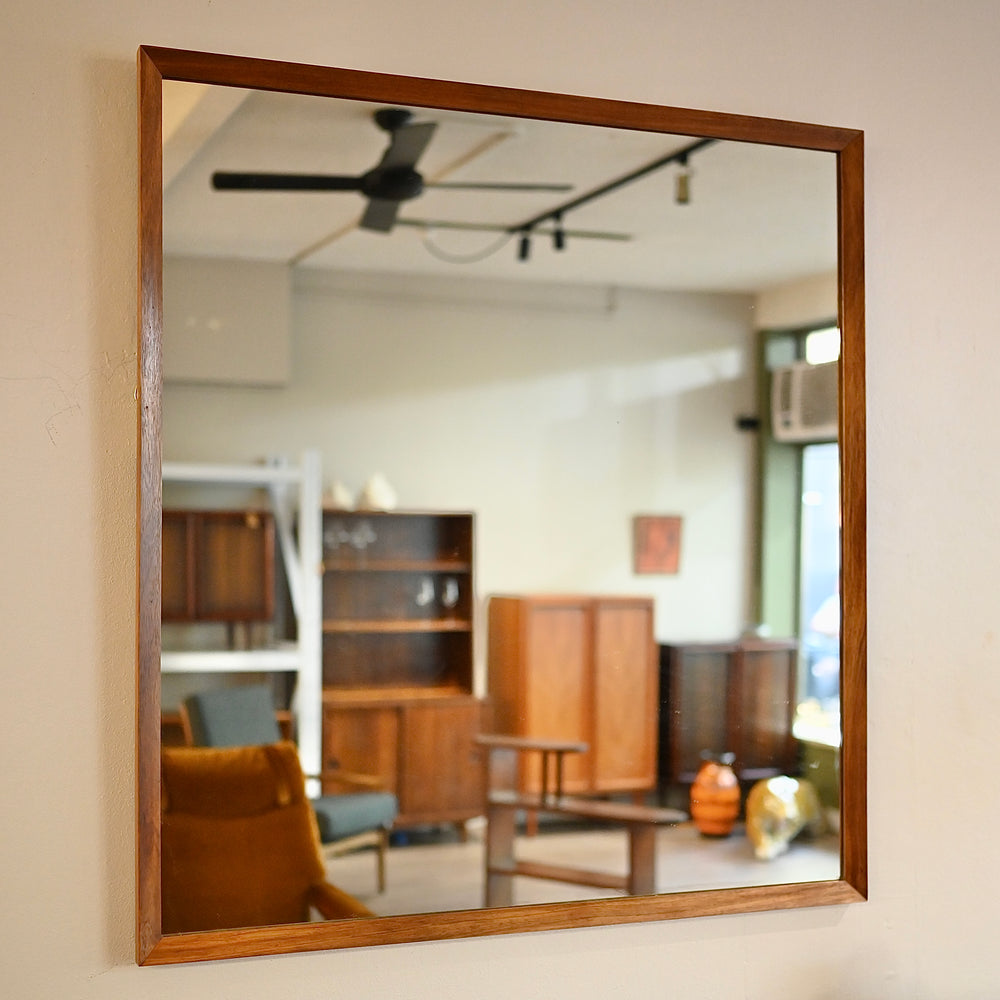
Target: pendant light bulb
682	184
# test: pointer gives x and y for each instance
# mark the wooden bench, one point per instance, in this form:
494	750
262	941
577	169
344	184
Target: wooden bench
504	803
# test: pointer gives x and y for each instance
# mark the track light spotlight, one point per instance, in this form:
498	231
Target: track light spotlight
682	188
558	233
524	246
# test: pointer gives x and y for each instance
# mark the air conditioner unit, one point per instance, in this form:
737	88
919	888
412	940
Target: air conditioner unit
804	402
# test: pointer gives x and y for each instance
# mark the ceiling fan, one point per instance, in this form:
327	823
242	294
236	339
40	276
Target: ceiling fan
393	180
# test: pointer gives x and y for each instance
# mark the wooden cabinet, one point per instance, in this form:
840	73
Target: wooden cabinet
218	566
422	748
736	697
578	668
398	598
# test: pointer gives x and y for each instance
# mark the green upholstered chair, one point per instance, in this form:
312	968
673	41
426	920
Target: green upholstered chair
239	843
245	716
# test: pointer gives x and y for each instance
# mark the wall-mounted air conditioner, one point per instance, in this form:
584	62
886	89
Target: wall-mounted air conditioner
804	402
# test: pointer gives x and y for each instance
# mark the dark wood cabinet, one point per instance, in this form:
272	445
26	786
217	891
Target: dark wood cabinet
398	598
218	566
728	697
578	668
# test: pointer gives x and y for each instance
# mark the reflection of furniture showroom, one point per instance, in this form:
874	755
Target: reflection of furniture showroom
396	651
396	695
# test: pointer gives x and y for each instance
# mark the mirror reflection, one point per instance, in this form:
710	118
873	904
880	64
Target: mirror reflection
518	410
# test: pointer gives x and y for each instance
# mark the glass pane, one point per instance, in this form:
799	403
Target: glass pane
823	345
819	698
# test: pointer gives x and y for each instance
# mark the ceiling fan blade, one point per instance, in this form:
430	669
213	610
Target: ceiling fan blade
229	181
501	186
380	215
407	145
487	227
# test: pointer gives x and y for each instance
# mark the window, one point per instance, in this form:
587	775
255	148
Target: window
822	345
819	592
819	570
800	546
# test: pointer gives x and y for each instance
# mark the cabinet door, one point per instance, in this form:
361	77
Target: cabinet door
696	713
177	601
765	679
441	767
626	683
234	566
361	739
557	682
218	566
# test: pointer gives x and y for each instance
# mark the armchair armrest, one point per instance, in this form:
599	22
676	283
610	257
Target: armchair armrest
335	904
503	750
333	772
351	779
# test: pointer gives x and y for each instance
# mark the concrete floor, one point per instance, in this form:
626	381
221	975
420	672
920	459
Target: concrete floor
435	872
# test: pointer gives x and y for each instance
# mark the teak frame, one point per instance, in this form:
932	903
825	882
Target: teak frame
157	64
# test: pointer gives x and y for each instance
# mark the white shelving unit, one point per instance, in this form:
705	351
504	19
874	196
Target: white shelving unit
294	490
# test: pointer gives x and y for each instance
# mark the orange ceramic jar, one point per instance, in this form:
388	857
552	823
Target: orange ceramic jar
715	798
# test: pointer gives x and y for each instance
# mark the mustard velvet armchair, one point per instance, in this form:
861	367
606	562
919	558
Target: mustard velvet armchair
239	842
245	716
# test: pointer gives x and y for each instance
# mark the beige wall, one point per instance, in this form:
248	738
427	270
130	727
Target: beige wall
799	303
918	77
227	322
554	412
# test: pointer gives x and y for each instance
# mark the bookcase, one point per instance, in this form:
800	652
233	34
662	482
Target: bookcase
398	601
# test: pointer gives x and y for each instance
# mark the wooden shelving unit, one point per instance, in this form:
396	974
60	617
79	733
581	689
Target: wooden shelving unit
397	624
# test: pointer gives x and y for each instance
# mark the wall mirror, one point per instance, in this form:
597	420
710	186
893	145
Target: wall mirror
569	304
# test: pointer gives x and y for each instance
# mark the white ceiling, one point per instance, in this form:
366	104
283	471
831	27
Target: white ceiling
759	216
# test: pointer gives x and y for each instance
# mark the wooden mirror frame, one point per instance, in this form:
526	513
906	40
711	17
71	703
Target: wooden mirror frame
152	946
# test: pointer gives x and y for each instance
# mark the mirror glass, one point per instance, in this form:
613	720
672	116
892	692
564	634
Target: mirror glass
560	336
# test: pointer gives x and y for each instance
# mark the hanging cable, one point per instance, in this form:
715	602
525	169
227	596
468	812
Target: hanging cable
473	258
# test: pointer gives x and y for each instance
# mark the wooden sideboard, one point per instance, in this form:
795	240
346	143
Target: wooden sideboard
728	697
421	746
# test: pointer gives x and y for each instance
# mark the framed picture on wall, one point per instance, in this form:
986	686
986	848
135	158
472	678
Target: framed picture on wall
656	543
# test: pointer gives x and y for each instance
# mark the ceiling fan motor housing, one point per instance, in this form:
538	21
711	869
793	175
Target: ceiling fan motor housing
391	119
392	183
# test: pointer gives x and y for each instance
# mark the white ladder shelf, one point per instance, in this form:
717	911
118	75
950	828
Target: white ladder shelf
292	489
